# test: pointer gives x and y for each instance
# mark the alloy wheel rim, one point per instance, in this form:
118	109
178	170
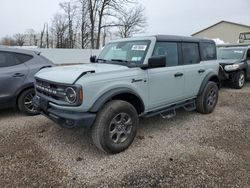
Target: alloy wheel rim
28	104
211	99
242	80
120	128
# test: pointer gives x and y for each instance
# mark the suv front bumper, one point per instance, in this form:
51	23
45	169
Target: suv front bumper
64	118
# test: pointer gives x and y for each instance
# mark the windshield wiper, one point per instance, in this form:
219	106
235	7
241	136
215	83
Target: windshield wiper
120	60
103	60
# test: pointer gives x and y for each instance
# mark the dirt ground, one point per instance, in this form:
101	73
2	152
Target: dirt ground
190	150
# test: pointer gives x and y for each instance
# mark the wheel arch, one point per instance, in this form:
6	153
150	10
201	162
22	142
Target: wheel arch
22	89
124	94
210	77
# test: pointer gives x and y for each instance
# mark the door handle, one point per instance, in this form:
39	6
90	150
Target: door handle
18	75
201	71
178	74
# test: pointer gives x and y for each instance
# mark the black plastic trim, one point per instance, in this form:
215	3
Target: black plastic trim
109	95
206	80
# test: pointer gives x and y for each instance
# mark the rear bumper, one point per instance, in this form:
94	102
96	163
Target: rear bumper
66	119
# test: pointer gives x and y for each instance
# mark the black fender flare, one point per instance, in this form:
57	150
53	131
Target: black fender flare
109	95
209	77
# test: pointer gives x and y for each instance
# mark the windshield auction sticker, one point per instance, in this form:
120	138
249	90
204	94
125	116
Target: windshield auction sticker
139	47
238	52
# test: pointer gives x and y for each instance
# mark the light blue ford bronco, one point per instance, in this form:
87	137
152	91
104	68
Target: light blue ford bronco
131	78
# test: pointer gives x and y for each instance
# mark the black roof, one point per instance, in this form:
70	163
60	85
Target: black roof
181	38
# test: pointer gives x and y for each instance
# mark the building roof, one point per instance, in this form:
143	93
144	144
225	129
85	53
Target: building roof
223	21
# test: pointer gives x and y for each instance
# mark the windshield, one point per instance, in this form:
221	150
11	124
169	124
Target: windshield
128	52
231	53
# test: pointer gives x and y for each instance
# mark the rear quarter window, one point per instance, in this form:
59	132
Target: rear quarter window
23	57
208	51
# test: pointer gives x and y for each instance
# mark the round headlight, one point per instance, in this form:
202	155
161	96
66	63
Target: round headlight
70	95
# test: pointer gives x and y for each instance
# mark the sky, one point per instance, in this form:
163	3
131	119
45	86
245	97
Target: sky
178	17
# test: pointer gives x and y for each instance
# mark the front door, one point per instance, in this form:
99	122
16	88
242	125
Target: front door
166	85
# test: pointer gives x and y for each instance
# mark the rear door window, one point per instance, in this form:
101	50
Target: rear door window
190	53
8	59
23	57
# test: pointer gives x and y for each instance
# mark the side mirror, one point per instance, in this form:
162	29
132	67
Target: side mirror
93	59
157	62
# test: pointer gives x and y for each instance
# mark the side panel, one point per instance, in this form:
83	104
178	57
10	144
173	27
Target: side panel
96	85
11	79
164	86
194	75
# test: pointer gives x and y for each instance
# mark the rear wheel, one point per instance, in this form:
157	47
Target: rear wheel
25	104
207	101
115	127
240	79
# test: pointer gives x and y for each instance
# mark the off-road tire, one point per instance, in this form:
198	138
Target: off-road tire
207	101
239	80
102	128
24	96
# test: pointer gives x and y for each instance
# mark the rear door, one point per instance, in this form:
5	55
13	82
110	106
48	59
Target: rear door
166	84
194	70
12	75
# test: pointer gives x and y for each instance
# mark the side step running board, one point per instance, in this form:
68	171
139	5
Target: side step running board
168	114
170	111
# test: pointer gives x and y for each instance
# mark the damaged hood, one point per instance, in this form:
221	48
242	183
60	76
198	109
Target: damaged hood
70	74
229	61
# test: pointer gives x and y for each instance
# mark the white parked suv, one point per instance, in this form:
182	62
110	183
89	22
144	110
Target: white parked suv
131	78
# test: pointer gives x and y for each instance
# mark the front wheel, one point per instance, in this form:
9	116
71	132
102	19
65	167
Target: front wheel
115	127
240	79
25	104
207	101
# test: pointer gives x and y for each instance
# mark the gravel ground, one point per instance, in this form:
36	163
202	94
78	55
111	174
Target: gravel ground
190	150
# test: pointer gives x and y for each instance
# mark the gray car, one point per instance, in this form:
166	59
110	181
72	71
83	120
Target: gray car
17	70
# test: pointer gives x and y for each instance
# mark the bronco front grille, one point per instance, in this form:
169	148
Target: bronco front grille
51	90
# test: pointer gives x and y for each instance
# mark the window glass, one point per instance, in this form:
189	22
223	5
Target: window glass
23	57
168	49
208	51
231	53
248	55
190	53
7	59
131	52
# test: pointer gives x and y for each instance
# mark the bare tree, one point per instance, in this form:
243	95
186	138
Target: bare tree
8	41
20	39
59	28
98	11
70	10
31	36
41	36
47	36
131	22
84	23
